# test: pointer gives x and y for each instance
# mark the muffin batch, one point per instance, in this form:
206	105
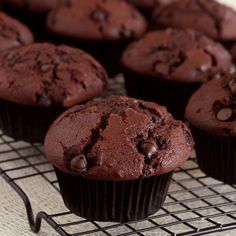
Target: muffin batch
114	158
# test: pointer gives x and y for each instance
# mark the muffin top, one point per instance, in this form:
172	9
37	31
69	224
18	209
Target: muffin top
213	107
13	33
207	16
149	4
38	6
118	138
178	55
102	20
43	74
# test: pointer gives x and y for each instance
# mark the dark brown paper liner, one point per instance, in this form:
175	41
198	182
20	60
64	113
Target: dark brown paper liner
216	155
119	201
167	93
26	122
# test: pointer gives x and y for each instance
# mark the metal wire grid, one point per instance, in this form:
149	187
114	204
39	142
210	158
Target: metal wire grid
195	205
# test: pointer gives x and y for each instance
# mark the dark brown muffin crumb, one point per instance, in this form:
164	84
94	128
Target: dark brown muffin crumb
45	75
102	20
213	107
207	16
178	55
118	138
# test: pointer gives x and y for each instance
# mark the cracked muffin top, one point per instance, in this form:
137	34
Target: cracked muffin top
102	20
118	138
212	108
207	16
179	55
44	75
13	33
38	6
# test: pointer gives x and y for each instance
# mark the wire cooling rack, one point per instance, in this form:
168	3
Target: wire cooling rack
195	205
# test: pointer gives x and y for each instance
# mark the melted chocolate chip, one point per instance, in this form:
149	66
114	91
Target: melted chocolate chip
99	15
46	68
188	138
149	148
204	68
43	100
224	114
126	33
78	164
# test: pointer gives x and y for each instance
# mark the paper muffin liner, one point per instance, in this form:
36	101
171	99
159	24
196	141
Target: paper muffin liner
118	201
171	94
216	155
26	122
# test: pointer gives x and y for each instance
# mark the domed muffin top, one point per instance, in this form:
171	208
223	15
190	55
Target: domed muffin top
13	33
179	55
207	16
212	108
38	6
43	74
118	138
97	20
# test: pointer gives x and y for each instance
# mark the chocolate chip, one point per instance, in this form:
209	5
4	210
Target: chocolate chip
46	68
188	138
63	74
10	55
204	68
149	148
126	33
99	15
224	114
43	100
78	164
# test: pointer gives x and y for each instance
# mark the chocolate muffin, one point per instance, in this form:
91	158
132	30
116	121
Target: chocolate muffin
207	16
39	81
211	112
31	12
108	26
114	158
167	66
13	33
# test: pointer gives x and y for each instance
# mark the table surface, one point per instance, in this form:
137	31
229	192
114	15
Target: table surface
13	220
